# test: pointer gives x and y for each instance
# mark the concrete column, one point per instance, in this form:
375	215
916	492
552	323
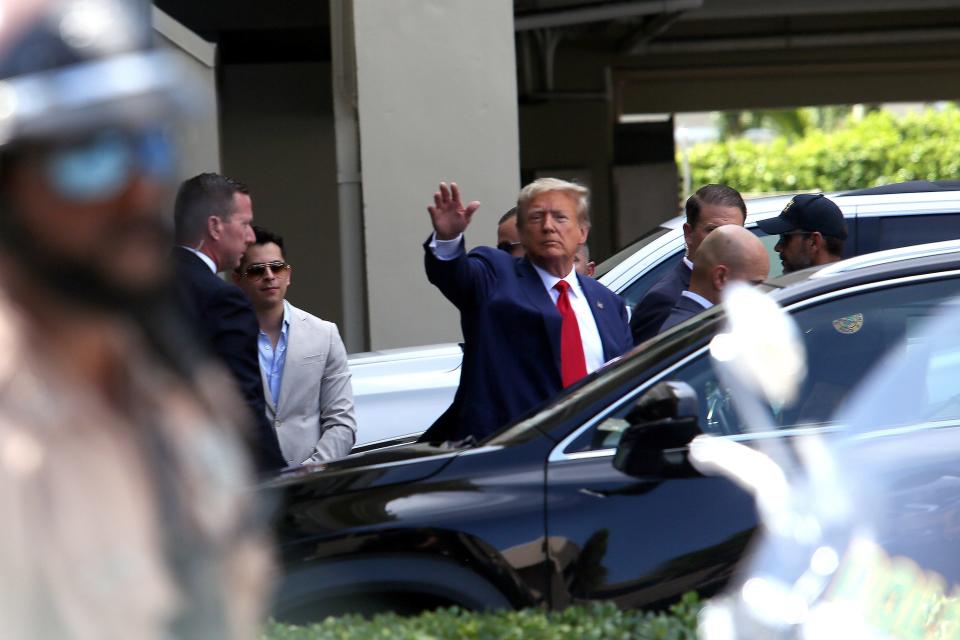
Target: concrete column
436	100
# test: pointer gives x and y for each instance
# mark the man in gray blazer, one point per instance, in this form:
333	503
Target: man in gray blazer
303	362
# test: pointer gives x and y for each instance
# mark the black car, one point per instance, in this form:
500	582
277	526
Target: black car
537	515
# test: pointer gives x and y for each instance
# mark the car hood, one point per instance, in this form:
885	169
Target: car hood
376	468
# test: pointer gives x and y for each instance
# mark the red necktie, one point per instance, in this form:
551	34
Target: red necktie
573	365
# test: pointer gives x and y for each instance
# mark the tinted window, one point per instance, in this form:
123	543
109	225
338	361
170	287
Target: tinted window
902	231
844	338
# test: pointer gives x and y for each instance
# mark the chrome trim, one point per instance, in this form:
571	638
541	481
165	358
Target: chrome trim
400	463
386	443
557	453
799	430
888	256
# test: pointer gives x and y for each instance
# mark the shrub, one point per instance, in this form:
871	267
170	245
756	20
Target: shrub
594	622
880	148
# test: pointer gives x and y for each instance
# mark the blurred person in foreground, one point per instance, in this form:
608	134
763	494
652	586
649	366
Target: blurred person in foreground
711	207
729	254
124	491
811	229
532	325
306	380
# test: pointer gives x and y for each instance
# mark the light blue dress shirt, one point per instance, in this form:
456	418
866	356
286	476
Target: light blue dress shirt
272	360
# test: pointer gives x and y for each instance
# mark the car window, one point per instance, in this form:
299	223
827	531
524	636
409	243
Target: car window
902	231
636	289
769	242
844	338
630	250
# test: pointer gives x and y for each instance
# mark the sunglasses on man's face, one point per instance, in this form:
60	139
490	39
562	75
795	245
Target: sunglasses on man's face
259	269
507	246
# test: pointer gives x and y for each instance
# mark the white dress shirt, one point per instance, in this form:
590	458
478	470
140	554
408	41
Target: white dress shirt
699	299
206	259
589	334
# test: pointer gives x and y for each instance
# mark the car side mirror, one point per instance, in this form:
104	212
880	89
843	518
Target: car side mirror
662	423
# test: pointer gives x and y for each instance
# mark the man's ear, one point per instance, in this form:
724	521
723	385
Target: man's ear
817	242
214	227
687	230
720	275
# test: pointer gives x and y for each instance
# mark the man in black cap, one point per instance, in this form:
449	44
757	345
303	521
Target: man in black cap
811	230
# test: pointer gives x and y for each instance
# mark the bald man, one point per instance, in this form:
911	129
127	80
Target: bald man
729	254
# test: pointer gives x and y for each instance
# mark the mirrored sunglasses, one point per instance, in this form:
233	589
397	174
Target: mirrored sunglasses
99	167
259	269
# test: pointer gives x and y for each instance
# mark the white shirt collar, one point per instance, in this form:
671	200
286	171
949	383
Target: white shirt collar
699	299
687	261
206	259
550	281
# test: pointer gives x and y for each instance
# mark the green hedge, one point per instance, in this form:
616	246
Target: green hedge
878	149
596	622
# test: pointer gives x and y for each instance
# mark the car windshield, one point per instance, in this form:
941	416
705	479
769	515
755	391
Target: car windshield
629	250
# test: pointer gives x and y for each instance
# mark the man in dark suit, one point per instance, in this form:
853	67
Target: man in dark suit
729	254
712	206
213	216
531	325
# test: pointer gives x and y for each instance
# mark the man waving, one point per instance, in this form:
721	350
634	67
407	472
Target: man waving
531	325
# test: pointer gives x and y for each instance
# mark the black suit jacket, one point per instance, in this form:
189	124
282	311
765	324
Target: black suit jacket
652	310
221	316
685	309
511	330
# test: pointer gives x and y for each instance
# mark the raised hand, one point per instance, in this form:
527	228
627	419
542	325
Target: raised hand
448	214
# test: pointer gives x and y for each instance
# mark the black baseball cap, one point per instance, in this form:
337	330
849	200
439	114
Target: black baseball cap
808	212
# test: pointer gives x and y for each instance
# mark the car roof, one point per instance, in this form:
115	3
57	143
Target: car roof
916	197
870	267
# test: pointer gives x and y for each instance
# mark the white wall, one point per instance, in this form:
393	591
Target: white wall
198	139
437	100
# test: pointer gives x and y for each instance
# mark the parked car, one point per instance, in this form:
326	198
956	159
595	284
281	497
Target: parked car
400	392
537	514
859	526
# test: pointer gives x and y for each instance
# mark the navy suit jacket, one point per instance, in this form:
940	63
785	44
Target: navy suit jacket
685	309
221	316
511	330
652	310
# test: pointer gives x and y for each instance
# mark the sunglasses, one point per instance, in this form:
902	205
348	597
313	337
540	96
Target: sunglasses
785	237
99	167
507	246
259	269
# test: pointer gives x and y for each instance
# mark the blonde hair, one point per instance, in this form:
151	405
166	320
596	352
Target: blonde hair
579	193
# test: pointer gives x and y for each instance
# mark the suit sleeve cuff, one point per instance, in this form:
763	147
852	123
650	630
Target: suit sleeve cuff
446	249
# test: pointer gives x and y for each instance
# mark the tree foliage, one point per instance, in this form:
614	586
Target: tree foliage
879	148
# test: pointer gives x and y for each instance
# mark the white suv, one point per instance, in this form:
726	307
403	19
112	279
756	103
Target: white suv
400	392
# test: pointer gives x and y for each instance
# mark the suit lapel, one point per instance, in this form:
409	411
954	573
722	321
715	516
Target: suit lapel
532	286
601	316
293	356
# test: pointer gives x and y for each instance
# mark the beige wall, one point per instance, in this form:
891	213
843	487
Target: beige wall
198	139
277	130
436	87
